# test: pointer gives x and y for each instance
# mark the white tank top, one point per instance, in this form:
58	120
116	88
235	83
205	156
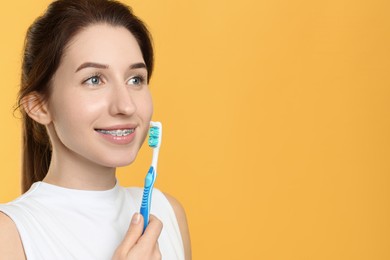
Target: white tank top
60	223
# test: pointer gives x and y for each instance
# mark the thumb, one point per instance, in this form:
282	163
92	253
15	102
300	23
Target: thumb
134	232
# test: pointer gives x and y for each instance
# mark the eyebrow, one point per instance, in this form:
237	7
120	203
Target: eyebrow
91	65
139	65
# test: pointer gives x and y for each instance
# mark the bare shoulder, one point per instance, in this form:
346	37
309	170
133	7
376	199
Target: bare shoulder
11	244
183	224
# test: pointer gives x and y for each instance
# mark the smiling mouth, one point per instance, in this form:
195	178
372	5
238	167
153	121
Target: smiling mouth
117	132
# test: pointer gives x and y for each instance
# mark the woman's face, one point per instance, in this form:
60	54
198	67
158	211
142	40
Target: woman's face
100	104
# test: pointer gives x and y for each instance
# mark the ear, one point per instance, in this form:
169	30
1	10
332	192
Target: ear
36	108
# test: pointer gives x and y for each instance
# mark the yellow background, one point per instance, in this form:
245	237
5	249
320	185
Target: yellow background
276	122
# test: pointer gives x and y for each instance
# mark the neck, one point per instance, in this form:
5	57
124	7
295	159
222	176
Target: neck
75	172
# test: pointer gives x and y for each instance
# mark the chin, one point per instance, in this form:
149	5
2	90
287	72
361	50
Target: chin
119	162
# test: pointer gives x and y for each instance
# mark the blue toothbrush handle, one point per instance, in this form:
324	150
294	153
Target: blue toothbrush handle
147	195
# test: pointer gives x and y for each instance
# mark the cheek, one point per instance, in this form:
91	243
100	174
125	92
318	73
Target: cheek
145	107
77	104
71	112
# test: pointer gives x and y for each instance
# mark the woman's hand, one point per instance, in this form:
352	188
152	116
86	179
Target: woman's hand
140	246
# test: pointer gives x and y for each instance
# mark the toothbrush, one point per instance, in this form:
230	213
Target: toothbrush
155	134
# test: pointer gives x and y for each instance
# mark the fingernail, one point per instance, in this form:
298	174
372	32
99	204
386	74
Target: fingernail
136	218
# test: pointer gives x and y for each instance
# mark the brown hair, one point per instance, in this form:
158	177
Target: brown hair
45	43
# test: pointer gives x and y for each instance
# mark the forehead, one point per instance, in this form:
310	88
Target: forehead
103	43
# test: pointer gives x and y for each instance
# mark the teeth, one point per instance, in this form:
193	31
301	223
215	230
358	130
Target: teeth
118	132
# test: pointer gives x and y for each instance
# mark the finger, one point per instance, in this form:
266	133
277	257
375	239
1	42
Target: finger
157	253
152	231
134	232
158	248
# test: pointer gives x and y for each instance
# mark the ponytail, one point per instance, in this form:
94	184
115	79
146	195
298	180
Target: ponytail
36	152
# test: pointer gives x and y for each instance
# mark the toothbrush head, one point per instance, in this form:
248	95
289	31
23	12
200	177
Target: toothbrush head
155	134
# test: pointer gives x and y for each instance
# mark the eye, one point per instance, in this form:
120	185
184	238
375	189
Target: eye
137	80
94	80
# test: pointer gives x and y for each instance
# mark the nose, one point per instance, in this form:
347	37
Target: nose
122	102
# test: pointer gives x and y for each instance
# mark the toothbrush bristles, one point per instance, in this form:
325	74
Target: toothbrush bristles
154	133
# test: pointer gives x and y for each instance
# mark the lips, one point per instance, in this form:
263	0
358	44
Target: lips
117	132
121	134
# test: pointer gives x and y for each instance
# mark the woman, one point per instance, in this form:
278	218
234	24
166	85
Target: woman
86	110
